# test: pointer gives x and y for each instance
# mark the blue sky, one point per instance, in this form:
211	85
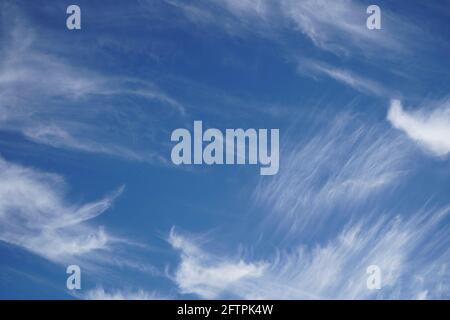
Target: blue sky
86	176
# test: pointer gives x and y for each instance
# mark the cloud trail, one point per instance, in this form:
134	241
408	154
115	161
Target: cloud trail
53	102
330	171
35	215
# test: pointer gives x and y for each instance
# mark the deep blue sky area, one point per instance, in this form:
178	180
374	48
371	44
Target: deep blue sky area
86	176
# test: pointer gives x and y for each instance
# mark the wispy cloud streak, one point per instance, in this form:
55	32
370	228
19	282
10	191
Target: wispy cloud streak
35	215
346	77
339	165
337	269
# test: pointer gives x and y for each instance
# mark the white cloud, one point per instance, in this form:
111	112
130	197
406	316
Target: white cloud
101	294
337	269
340	26
58	103
357	82
207	275
232	16
429	128
35	215
341	164
336	26
58	137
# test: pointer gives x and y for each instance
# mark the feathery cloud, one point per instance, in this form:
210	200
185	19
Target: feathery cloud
75	106
341	164
336	269
347	77
35	215
338	26
207	275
